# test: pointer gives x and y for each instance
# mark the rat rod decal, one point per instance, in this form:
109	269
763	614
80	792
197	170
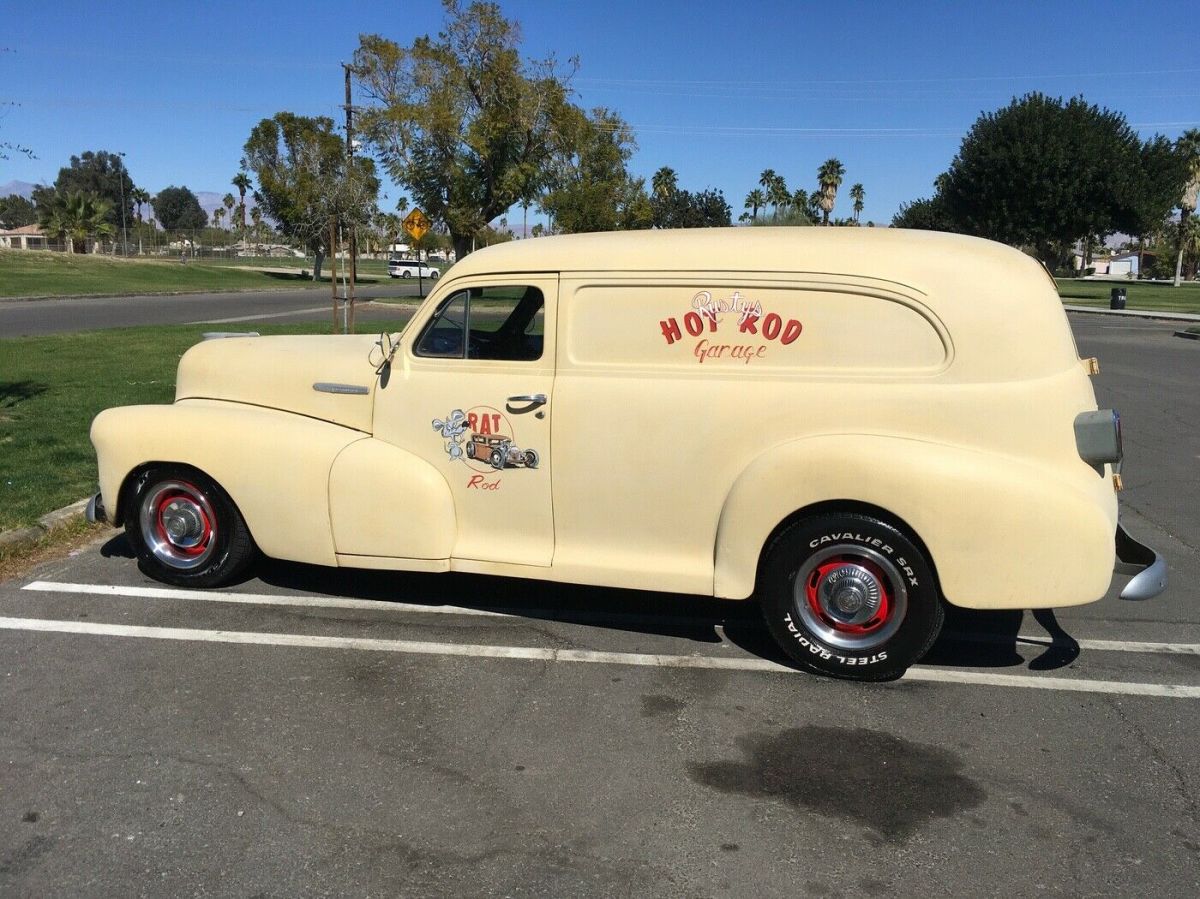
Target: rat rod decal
490	447
705	317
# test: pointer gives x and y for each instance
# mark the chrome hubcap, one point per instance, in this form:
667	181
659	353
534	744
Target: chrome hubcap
850	597
178	524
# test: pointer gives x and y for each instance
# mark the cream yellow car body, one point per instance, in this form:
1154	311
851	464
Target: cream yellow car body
930	378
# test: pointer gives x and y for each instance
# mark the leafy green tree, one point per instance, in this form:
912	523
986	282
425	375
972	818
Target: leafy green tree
99	173
857	194
924	215
177	208
462	120
829	176
1046	174
591	189
684	209
76	218
305	181
755	200
17	211
1188	147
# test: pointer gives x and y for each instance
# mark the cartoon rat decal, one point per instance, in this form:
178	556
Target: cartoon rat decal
452	430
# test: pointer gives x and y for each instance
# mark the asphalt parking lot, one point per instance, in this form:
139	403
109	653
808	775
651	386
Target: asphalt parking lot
317	732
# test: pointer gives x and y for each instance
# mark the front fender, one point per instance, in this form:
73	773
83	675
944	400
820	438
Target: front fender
1002	533
274	465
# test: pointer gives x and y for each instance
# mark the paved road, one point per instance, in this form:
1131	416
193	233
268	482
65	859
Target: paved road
319	732
24	319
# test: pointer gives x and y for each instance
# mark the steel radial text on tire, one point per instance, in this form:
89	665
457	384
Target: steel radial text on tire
850	595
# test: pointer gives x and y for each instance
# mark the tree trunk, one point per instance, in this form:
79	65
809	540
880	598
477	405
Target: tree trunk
1184	215
462	245
318	258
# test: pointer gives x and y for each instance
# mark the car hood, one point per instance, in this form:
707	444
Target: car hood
283	373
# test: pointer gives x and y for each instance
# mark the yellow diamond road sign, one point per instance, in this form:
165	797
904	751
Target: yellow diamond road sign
416	223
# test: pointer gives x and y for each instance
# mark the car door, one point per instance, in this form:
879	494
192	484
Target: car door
473	397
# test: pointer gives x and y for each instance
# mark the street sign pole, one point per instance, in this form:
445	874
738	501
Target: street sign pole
416	224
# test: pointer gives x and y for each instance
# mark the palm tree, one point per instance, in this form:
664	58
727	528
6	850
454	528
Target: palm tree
778	194
829	175
857	194
755	200
140	197
799	203
217	215
1189	145
664	182
256	217
75	218
242	182
765	181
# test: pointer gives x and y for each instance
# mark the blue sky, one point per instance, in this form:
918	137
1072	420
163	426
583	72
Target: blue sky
718	91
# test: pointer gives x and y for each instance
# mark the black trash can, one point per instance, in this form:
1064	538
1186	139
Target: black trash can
1117	298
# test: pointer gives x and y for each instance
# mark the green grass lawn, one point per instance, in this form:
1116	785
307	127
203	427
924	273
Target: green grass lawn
1144	297
371	268
52	387
46	274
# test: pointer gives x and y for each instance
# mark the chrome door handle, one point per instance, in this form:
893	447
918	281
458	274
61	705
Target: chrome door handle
532	401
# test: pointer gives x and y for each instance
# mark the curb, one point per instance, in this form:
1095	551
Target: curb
22	538
1187	335
1135	313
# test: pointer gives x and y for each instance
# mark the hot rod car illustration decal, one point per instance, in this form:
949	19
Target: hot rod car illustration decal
491	445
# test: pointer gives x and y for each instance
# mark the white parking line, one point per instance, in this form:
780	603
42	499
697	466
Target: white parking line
337	602
534	653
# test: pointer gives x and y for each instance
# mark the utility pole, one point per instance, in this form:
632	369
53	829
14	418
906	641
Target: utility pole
349	172
124	233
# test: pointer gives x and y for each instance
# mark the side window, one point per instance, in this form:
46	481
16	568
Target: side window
502	323
443	336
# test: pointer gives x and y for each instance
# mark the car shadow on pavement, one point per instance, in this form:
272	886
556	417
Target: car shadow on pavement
970	638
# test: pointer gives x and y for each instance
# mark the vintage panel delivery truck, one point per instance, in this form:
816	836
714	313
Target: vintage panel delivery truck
854	426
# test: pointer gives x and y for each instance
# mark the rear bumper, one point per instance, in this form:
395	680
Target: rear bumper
1148	568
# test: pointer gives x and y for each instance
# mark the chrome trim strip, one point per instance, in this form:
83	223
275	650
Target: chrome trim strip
352	389
1148	568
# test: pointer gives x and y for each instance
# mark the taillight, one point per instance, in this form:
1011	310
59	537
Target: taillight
1098	438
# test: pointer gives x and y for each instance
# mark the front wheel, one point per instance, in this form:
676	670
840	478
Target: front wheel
186	530
850	596
434	275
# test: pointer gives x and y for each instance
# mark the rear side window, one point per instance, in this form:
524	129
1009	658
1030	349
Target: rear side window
497	323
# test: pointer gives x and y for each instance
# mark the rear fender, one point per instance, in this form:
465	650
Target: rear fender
1002	533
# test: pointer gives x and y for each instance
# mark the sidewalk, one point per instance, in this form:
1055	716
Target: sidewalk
1137	313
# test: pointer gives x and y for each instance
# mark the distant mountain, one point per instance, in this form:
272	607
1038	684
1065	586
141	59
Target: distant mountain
210	200
20	188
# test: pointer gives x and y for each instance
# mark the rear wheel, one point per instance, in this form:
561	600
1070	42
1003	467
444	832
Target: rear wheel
850	596
185	529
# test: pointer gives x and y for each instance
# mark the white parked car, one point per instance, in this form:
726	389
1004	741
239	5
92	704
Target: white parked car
411	268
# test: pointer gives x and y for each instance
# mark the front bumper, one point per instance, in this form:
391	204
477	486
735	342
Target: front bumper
95	510
1148	568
